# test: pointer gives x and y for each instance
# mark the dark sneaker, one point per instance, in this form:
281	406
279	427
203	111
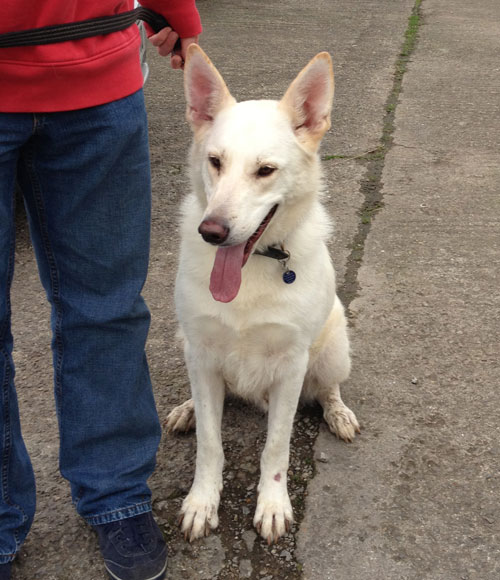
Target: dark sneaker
133	548
5	571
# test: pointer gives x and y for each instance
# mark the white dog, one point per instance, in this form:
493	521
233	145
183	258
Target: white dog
255	292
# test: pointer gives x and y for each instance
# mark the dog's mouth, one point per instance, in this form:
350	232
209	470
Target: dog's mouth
225	280
254	238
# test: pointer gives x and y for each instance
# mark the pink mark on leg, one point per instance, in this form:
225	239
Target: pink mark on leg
277	477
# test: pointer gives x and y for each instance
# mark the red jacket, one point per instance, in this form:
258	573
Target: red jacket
83	73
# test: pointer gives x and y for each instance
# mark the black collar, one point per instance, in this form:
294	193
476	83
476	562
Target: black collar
274	253
282	256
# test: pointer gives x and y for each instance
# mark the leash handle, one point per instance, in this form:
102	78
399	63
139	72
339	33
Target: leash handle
157	23
155	20
85	29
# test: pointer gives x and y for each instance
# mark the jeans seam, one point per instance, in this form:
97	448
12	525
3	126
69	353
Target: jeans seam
53	275
133	510
7	431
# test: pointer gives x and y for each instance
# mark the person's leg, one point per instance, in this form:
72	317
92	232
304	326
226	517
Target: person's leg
85	176
17	494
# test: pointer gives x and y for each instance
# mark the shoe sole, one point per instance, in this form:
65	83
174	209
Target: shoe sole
157	577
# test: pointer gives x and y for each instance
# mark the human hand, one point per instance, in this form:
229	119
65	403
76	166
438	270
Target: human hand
165	41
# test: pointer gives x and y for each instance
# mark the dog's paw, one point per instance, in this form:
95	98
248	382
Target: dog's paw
181	418
341	421
198	515
273	516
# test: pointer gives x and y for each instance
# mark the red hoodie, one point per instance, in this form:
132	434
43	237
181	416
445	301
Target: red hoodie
83	73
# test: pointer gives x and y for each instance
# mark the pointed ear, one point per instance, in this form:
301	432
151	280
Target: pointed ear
308	101
206	92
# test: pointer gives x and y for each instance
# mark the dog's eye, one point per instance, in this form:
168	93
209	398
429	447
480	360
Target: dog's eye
266	170
214	162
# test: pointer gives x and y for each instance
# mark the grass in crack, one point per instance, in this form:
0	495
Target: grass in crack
412	30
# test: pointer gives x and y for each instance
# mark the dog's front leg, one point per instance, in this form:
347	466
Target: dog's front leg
274	514
199	509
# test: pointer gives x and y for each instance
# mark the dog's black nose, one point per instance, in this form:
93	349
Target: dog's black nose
213	232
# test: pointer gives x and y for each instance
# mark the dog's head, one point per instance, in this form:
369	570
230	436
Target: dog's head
252	159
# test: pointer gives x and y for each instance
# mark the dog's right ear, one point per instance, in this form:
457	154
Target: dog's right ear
206	91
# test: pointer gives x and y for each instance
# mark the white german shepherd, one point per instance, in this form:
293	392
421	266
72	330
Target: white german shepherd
255	292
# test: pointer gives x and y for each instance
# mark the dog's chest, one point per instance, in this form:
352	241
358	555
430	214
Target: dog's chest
253	358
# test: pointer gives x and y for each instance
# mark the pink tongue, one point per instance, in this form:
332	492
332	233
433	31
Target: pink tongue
225	279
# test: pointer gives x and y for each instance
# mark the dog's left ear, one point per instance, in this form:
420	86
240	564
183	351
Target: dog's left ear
308	101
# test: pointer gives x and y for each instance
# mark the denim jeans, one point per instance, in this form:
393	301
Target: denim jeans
85	179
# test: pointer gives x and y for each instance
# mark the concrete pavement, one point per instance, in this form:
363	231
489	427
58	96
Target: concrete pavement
413	179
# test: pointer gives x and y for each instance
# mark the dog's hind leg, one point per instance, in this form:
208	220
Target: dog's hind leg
181	418
339	418
329	366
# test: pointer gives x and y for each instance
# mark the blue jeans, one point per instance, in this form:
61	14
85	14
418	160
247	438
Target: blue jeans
86	184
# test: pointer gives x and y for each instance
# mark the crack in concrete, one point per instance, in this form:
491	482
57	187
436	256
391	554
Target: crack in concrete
372	185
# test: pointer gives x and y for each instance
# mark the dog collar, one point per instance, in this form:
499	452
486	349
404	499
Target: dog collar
282	256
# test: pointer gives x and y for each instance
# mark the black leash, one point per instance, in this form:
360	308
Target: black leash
84	29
